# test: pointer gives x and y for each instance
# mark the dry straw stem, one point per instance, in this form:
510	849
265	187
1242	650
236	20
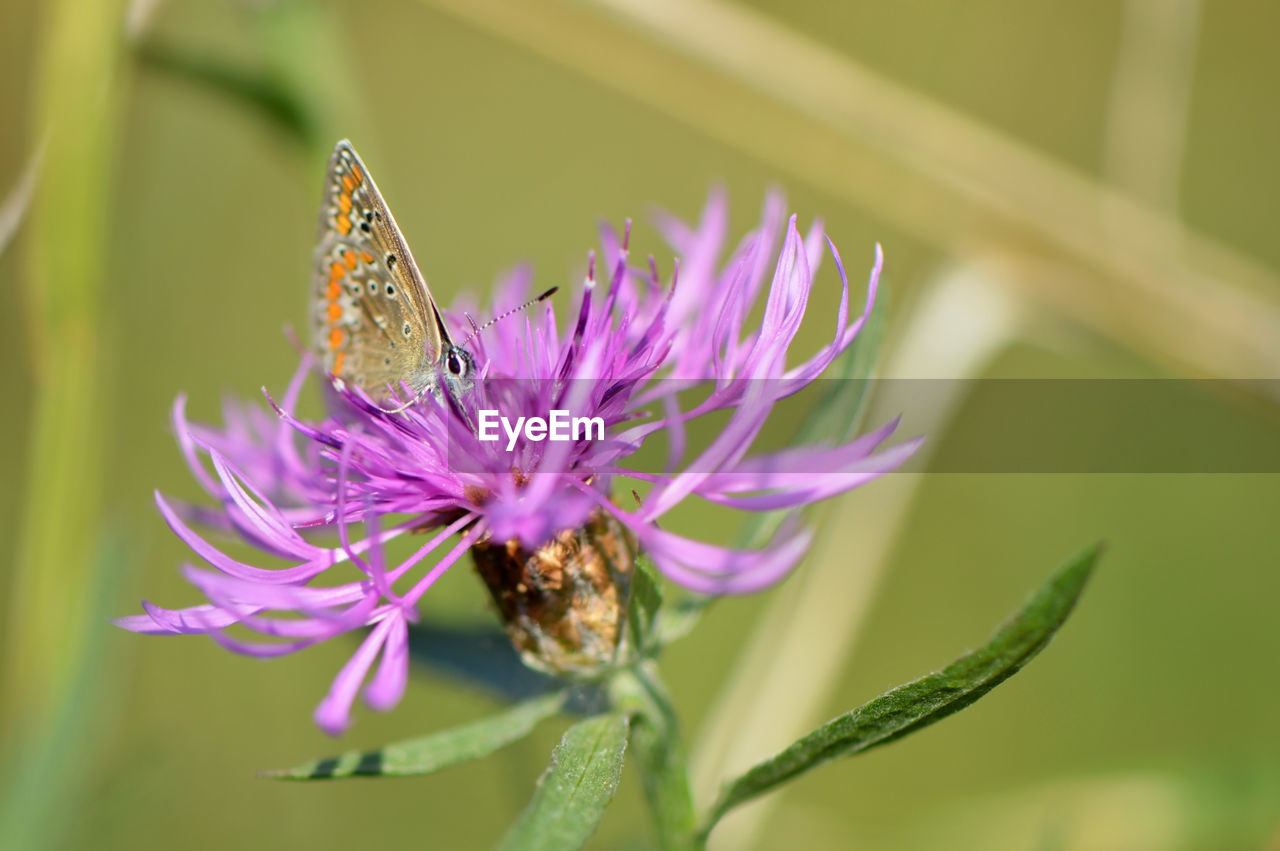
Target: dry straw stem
964	322
1145	133
737	76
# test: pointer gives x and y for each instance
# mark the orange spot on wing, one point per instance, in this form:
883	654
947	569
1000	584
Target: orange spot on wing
349	257
336	271
335	311
347	183
344	201
357	175
335	338
344	225
366	257
334	290
337	361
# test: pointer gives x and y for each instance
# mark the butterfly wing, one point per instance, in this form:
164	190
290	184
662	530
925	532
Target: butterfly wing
374	322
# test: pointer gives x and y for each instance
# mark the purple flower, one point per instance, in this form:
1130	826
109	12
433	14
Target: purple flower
635	351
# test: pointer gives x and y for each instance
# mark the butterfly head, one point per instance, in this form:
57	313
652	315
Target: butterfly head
457	370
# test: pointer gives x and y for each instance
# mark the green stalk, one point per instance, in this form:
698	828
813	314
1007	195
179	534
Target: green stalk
659	756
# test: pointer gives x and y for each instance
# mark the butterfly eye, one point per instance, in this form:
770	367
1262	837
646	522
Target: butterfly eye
453	363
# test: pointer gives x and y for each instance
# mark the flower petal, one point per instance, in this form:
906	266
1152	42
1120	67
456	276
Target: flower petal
333	714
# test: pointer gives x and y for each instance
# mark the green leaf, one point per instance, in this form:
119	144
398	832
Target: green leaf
431	753
644	604
575	789
914	706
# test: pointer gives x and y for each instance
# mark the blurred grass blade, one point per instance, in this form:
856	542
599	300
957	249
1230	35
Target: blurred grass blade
911	707
1223	801
575	789
431	753
14	207
48	774
816	114
257	90
307	51
48	605
303	86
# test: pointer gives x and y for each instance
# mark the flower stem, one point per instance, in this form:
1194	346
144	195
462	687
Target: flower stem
655	742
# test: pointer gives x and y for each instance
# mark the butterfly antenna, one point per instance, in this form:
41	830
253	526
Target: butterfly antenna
476	329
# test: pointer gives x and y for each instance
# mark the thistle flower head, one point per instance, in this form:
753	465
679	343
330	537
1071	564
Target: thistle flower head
634	346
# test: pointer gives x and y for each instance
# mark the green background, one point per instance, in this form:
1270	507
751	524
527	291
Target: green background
1148	723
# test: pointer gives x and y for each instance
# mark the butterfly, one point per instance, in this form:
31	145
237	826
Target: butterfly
375	323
